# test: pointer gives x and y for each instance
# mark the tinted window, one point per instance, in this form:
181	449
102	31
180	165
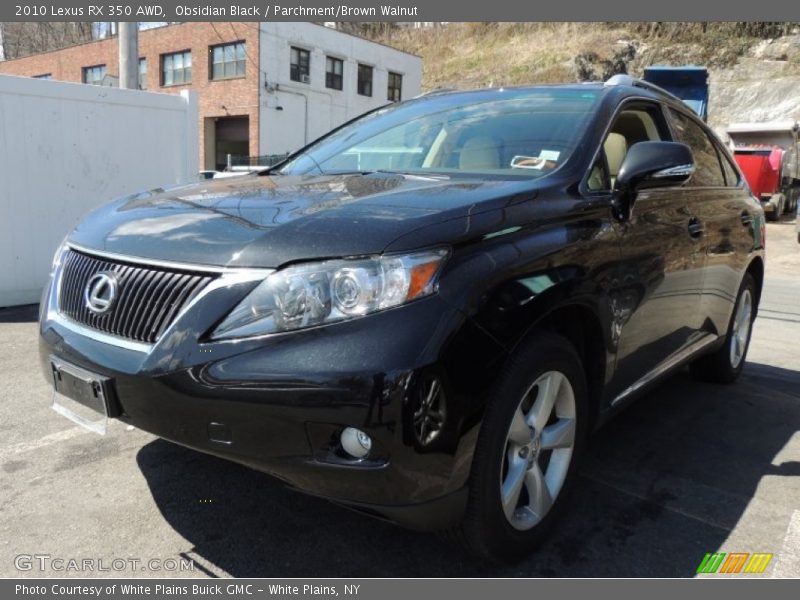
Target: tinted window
525	134
708	172
731	175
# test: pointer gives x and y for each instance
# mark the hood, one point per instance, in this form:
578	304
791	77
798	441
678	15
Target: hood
268	221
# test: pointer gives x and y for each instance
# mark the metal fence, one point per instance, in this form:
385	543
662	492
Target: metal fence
265	160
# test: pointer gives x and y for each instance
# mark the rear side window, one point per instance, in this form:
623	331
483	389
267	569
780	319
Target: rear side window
731	174
708	171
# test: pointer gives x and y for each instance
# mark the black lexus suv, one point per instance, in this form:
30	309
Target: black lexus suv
423	314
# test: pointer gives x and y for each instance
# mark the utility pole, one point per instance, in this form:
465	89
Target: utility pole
128	55
2	51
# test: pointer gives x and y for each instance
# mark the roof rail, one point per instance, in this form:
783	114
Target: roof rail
624	79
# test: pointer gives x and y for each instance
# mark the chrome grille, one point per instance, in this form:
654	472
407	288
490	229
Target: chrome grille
148	297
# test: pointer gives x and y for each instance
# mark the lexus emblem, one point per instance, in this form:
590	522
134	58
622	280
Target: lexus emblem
101	292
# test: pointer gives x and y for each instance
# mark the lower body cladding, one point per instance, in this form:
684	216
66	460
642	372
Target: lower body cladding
281	405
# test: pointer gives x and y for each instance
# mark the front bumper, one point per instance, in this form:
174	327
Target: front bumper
278	403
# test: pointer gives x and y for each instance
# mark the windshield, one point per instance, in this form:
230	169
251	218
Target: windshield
516	133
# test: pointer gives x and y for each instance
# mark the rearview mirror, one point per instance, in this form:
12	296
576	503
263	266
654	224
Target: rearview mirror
651	165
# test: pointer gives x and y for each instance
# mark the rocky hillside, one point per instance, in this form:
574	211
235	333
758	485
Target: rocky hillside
763	85
755	67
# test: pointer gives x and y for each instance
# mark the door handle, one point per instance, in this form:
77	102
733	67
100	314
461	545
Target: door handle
696	227
747	218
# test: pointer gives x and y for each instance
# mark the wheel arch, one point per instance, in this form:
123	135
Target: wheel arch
756	269
581	326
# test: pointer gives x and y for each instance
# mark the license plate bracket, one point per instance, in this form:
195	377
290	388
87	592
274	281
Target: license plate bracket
82	396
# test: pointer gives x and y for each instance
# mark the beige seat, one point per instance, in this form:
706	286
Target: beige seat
615	147
479	153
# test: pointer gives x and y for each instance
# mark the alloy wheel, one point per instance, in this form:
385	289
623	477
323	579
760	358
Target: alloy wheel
538	450
742	323
430	415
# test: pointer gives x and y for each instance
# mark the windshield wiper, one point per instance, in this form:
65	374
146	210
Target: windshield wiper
415	174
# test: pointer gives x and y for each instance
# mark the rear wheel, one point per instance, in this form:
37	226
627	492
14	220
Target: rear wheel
791	199
525	459
779	202
725	365
791	203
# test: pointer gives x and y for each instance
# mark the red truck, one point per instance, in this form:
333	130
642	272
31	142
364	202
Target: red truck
767	154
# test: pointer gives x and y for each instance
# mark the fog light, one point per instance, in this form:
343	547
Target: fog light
355	442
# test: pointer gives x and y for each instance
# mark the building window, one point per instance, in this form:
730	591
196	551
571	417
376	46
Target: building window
227	61
43	76
394	92
365	80
176	69
299	65
94	75
142	73
334	68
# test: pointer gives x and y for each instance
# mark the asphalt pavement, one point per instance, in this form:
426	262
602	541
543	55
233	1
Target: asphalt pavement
689	469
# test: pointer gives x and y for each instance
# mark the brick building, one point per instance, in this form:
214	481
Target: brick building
263	88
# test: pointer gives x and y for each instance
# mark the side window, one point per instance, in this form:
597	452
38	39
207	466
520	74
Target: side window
639	123
708	172
598	177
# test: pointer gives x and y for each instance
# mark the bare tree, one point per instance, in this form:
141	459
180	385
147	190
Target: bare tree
368	29
23	39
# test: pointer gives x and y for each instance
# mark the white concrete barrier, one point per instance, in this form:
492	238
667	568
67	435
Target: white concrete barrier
66	148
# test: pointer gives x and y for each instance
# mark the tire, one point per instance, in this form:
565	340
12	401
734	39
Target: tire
505	454
725	365
779	203
791	203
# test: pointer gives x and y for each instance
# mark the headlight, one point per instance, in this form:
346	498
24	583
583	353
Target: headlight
59	256
325	292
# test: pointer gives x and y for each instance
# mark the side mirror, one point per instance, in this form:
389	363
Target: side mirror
651	165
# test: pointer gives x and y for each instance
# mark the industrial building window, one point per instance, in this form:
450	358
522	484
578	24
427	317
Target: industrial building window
142	73
43	76
176	69
299	65
334	68
365	80
94	75
228	61
395	87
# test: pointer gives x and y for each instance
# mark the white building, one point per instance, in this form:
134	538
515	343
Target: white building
316	78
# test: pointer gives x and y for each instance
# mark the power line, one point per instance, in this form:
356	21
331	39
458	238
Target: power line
255	64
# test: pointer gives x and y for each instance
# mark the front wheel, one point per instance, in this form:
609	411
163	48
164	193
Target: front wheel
725	365
527	450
